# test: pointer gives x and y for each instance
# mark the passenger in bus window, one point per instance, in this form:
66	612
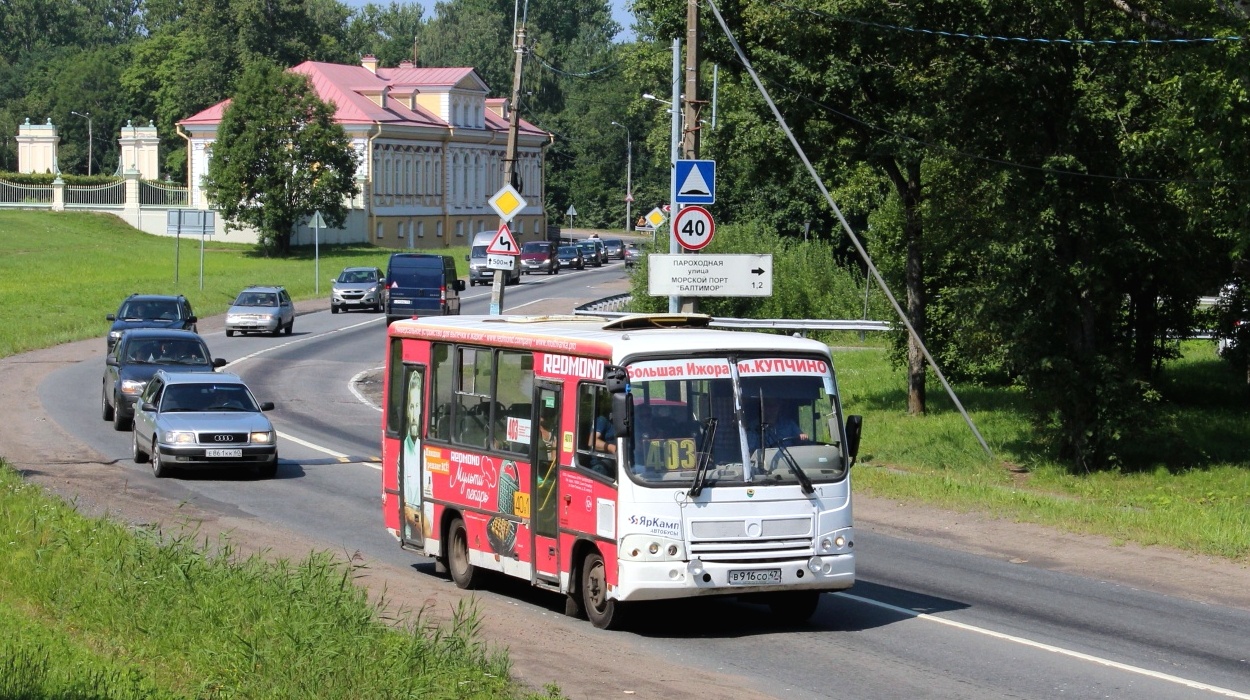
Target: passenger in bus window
603	442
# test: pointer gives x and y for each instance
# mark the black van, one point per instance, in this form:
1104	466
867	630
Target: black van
422	284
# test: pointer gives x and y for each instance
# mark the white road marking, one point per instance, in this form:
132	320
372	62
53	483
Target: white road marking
300	340
520	306
1054	649
356	392
345	459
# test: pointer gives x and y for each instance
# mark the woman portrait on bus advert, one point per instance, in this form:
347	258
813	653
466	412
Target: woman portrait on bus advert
411	456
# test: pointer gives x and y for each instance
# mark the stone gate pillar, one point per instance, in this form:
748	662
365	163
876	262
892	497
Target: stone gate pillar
37	148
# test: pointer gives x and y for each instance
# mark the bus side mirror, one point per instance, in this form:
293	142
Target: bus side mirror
466	258
854	427
616	379
459	285
623	413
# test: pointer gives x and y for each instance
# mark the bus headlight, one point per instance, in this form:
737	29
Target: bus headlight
651	548
835	542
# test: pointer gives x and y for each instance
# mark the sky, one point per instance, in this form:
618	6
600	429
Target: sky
619	13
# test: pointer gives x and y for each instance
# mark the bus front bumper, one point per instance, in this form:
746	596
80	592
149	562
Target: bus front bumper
660	580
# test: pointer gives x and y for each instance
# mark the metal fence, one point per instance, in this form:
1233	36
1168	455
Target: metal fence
155	194
14	194
611	307
110	195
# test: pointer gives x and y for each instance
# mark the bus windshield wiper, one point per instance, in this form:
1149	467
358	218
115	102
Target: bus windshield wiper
705	456
794	467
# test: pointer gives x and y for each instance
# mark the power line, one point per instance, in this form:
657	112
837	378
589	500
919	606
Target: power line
1013	39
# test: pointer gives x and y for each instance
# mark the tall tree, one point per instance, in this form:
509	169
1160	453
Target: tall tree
279	157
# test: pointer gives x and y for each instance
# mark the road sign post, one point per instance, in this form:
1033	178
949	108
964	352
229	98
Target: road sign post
507	202
317	222
710	275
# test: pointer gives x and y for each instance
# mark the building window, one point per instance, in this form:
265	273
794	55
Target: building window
459	229
379	232
420	229
438	230
520	227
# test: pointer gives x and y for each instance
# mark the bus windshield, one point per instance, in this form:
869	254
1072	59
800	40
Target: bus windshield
757	420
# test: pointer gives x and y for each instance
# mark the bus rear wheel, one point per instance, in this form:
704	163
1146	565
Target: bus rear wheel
602	611
462	572
795	607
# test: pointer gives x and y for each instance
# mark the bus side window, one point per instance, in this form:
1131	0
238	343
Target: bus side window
472	397
514	389
596	440
443	378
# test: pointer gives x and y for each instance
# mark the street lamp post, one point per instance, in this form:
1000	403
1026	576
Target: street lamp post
629	177
87	116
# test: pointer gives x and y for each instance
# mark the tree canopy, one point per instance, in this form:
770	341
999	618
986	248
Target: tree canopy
279	157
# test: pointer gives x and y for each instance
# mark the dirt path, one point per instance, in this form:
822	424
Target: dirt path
48	456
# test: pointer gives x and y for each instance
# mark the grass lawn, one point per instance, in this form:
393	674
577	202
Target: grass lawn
61	273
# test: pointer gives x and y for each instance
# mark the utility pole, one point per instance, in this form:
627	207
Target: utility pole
690	102
690	109
510	171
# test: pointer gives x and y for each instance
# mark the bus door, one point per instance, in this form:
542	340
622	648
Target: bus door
414	523
545	449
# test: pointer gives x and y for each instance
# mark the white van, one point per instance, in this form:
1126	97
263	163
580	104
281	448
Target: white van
478	272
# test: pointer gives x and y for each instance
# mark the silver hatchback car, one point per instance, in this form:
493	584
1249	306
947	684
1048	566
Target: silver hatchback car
202	420
261	310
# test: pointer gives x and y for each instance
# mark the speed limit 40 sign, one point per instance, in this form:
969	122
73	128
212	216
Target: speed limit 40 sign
694	227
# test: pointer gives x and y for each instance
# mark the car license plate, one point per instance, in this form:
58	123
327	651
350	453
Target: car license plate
750	577
221	452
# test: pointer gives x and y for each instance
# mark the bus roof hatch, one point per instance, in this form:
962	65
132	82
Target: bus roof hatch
642	321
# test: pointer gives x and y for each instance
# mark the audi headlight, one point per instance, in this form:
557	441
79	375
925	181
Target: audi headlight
179	437
261	438
232	318
130	387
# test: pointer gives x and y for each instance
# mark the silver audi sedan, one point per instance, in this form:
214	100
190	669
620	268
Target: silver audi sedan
202	420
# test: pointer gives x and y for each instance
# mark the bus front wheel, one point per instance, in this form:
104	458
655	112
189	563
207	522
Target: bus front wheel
462	572
602	611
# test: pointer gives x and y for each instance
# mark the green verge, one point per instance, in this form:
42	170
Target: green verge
61	273
90	608
1192	492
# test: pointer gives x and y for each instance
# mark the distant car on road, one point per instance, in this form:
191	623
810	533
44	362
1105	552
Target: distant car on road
186	420
539	256
615	248
633	254
138	355
260	309
592	250
151	311
571	257
358	288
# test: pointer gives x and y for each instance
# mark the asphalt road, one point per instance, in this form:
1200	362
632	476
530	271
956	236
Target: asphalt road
923	621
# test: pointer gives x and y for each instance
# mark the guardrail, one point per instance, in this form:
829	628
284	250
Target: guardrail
610	307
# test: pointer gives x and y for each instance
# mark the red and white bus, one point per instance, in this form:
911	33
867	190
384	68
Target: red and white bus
620	460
